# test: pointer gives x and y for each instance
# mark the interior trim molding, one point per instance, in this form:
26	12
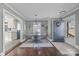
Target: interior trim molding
14	10
71	11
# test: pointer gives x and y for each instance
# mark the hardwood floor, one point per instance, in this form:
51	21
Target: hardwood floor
34	51
37	52
46	51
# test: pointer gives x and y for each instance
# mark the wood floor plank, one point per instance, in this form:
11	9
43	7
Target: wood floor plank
34	51
46	51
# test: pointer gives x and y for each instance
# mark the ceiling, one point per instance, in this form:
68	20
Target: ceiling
43	10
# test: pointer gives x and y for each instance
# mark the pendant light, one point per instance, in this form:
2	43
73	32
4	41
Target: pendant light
36	19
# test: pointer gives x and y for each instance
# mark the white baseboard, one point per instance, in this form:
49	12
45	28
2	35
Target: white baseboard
50	39
22	40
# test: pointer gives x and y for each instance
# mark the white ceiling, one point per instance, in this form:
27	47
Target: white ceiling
43	10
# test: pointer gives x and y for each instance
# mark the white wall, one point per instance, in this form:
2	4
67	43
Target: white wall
2	41
77	30
1	30
43	28
29	27
22	31
49	28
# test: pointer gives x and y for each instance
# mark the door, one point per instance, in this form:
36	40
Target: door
58	27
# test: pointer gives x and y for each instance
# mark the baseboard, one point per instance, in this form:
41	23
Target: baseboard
22	40
50	39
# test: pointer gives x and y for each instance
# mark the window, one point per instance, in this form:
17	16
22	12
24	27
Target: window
37	28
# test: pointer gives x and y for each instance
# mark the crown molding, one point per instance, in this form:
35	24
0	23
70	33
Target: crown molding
14	10
71	11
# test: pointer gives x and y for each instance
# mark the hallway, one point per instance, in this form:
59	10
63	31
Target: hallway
38	29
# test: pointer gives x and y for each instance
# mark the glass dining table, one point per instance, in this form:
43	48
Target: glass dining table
37	38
